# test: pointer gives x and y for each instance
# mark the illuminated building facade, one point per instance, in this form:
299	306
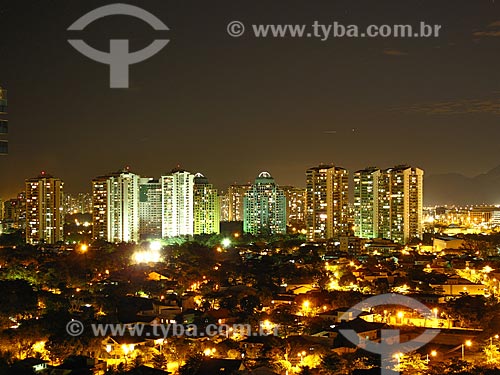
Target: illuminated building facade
177	203
295	205
389	203
401	194
14	213
150	208
79	203
206	206
115	214
327	202
366	203
264	210
100	193
224	206
44	210
236	195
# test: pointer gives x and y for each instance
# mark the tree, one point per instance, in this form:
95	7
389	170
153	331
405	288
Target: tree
492	354
178	349
283	316
347	279
411	363
249	303
160	361
17	297
334	363
305	370
137	362
192	365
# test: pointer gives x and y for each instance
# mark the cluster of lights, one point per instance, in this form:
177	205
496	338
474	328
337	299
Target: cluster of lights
148	256
127	348
267	326
209	352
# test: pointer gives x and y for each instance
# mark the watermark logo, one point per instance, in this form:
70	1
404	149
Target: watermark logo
119	57
74	328
235	29
390	345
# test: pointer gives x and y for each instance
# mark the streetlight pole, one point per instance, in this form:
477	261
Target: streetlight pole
468	343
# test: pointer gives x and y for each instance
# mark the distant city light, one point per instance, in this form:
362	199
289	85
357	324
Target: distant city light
226	242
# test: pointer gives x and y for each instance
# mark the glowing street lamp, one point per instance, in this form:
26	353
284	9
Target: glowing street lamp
226	242
401	315
433	354
84	247
468	343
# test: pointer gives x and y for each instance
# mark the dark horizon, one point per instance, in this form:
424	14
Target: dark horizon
232	107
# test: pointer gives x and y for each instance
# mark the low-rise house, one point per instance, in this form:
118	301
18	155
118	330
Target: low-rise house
27	365
456	285
344	314
283	299
366	331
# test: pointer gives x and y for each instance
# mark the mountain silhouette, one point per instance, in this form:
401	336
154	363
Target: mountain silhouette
454	188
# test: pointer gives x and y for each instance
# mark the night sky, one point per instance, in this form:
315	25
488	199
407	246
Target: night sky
231	107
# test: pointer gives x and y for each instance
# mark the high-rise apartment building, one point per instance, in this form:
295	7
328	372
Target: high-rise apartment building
236	195
404	191
264	210
366	203
150	211
389	203
14	213
44	209
100	192
295	205
327	202
205	206
4	125
177	203
79	203
115	213
224	206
